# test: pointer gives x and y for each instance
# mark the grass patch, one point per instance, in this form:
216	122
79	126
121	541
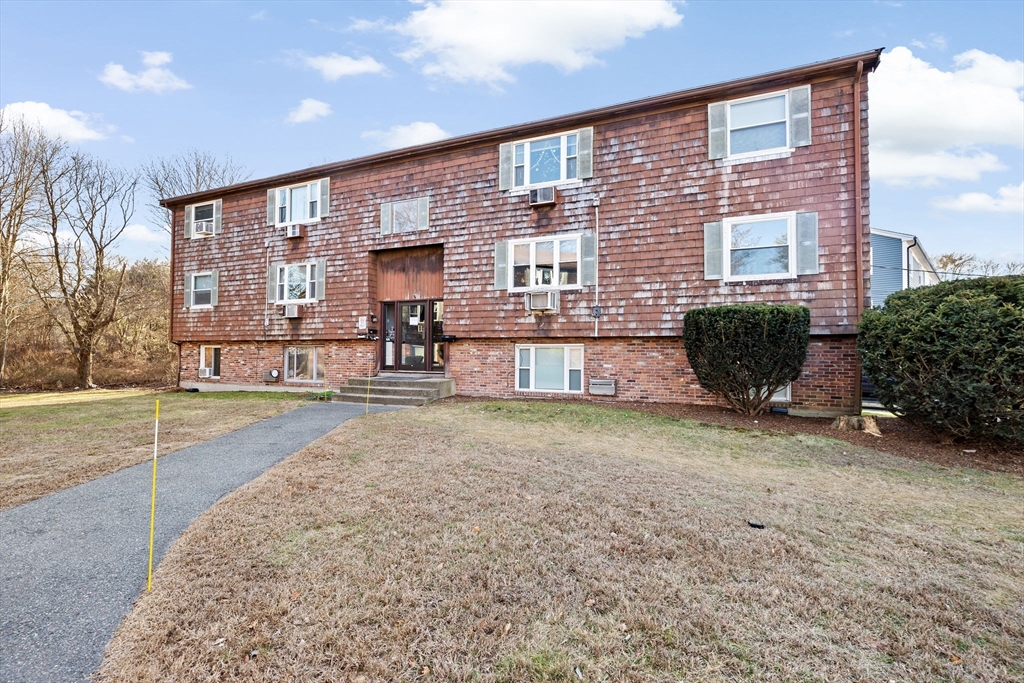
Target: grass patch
51	446
524	542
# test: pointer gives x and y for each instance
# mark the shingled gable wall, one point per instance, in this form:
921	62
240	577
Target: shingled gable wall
656	189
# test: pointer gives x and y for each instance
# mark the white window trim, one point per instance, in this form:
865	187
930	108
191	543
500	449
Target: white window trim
727	226
565	370
202	358
192	291
288	198
533	262
317	350
282	286
785	150
212	221
783	395
527	185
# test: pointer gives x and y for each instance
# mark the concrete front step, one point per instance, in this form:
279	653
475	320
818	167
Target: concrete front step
380	399
402	390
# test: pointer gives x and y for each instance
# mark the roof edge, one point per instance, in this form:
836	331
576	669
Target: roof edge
624	110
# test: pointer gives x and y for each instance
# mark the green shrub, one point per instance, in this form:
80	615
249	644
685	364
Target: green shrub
951	357
748	352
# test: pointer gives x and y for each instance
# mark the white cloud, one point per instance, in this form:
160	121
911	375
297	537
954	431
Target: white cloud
929	125
152	79
416	133
136	232
154	59
73	126
1009	199
334	66
308	110
482	41
935	40
259	16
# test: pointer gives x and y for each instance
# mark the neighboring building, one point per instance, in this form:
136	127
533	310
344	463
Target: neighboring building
535	259
898	261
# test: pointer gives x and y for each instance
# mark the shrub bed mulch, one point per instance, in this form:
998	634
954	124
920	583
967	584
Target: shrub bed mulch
898	436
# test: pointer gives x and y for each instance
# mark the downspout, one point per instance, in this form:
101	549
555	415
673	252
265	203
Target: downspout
597	251
858	224
908	271
858	217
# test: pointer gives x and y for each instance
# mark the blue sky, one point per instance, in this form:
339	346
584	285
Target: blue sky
282	86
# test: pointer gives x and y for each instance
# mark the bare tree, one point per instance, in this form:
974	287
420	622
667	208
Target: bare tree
186	173
87	204
956	265
23	150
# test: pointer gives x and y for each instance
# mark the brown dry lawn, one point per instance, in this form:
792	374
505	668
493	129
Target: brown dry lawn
548	542
54	446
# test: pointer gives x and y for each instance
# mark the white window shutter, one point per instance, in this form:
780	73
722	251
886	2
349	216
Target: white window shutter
424	213
188	291
214	286
713	251
272	284
505	166
324	206
321	278
218	208
188	222
501	265
271	207
585	153
588	257
717	133
385	218
800	116
807	243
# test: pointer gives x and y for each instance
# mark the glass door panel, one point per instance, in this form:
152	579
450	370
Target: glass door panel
389	337
412	331
436	330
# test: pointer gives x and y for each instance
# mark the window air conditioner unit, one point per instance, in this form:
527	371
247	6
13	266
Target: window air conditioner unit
202	228
541	301
205	373
602	387
542	196
292	311
294	231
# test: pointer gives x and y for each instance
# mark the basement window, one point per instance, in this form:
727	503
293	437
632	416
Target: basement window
549	368
304	363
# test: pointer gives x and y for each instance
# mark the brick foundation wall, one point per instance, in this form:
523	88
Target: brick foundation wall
651	369
245	362
655	370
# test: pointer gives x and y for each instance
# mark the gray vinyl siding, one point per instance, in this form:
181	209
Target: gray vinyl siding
886	267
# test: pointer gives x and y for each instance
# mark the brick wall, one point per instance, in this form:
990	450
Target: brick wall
245	362
655	370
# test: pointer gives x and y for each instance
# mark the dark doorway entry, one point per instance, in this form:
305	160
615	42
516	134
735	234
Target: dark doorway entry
412	336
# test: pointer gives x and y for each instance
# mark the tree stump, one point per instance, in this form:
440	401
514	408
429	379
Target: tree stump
857	423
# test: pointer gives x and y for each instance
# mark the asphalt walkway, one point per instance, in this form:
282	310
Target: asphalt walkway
72	563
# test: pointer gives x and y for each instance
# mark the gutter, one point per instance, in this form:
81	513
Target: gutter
656	104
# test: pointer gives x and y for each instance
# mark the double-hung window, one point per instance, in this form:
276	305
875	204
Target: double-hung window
304	363
203	220
297	282
201	289
546	263
761	247
547	160
209	359
408	215
549	368
764	124
303	203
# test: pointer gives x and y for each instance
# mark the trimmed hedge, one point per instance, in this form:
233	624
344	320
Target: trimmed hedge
746	353
950	357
